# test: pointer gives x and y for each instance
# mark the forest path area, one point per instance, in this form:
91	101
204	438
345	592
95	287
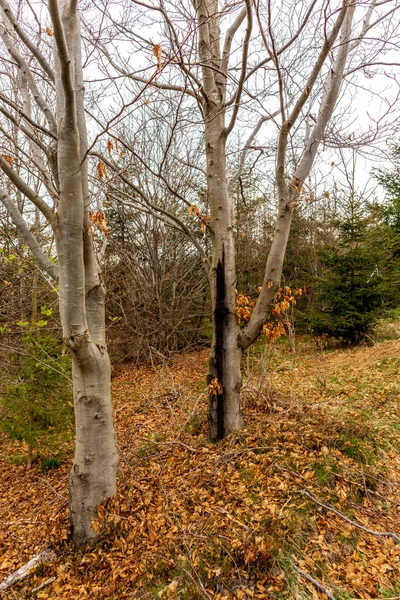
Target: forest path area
280	510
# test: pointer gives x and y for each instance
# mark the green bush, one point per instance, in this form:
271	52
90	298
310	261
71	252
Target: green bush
38	407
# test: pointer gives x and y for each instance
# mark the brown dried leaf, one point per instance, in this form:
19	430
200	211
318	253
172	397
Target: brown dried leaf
102	171
8	158
157	54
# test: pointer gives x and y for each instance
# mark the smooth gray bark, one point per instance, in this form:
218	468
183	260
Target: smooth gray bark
229	341
224	373
93	476
81	292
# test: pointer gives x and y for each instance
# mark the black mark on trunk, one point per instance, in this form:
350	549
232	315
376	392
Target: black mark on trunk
220	315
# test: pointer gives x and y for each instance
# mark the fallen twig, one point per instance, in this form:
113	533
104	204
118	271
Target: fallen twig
315	582
43	585
394	536
176	442
233	519
45	556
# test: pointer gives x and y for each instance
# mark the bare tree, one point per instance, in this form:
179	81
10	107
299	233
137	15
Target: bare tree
279	65
50	151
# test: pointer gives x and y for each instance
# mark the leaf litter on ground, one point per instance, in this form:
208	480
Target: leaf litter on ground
234	520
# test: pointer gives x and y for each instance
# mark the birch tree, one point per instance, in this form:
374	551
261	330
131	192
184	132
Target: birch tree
259	64
46	163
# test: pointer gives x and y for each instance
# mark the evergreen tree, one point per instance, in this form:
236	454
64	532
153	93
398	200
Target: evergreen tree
38	406
390	180
361	274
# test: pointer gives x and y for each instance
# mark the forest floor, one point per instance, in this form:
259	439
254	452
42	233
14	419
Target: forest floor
241	519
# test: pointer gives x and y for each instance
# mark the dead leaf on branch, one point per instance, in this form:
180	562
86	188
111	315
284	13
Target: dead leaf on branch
204	224
157	54
102	171
8	158
49	32
98	218
194	210
205	219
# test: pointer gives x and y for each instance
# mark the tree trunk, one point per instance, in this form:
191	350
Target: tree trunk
224	375
224	371
92	478
93	475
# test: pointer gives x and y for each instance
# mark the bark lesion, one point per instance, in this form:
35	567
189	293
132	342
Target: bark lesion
217	361
77	341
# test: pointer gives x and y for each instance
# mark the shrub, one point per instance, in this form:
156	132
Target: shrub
38	406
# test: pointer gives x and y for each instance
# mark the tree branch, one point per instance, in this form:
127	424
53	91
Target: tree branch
65	63
246	147
152	206
390	534
328	102
23	65
245	55
26	117
30	134
230	34
39	165
27	191
292	118
41	258
276	255
315	582
285	46
147	82
25	40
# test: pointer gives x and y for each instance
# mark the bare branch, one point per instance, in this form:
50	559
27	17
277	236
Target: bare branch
23	65
230	34
27	191
27	117
247	146
152	82
337	512
315	582
29	133
30	240
245	55
292	118
287	193
285	46
34	160
328	102
153	207
25	39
